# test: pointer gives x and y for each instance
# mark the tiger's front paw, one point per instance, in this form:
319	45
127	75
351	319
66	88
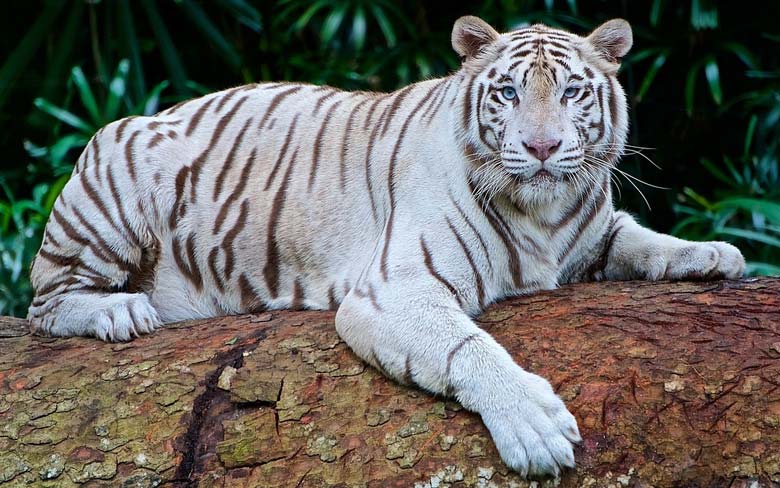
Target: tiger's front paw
699	260
532	428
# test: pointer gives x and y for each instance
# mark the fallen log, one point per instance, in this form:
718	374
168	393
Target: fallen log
673	384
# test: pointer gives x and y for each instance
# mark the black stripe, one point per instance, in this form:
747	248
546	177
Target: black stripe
477	276
428	260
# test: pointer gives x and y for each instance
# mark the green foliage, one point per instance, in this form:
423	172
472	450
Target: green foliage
703	84
343	23
746	208
117	102
703	60
21	227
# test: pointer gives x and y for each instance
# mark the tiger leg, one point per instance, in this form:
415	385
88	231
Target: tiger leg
94	247
636	252
417	334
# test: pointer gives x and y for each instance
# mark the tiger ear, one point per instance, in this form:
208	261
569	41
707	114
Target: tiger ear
470	34
612	39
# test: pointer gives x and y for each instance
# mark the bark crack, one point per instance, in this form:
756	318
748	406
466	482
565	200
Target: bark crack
191	444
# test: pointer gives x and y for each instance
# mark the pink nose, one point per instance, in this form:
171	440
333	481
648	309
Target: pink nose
541	150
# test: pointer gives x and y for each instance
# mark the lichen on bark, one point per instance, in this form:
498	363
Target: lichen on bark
672	384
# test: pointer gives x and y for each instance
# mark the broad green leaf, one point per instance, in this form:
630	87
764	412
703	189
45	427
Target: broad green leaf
403	72
20	208
685	209
130	41
704	15
772	116
19	57
655	12
39	192
170	54
332	23
5	218
774	229
743	53
35	150
306	17
393	8
763	74
197	88
86	95
207	28
658	62
64	116
150	105
771	210
384	25
423	65
690	193
690	87
758	268
640	55
59	150
716	172
359	28
739	178
8	193
61	58
751	130
244	13
54	192
712	73
116	90
681	225
750	235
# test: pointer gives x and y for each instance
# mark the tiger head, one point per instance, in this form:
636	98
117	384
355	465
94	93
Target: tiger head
541	111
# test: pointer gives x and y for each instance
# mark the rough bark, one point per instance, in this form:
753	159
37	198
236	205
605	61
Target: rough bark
673	384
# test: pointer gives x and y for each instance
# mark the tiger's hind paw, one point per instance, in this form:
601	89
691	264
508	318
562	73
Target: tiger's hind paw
112	317
126	319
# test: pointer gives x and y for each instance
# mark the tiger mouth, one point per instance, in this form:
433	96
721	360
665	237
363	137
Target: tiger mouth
541	176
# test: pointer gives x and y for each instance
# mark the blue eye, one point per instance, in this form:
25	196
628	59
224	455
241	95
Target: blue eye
508	92
571	91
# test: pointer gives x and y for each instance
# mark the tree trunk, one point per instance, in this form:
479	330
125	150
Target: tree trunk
673	384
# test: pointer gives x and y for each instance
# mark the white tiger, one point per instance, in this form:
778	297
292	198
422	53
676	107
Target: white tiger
409	211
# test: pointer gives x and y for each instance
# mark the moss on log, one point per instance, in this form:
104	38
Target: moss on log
673	384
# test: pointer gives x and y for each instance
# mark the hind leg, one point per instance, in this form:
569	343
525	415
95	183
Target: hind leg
93	250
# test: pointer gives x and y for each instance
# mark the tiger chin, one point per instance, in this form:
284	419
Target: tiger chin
408	212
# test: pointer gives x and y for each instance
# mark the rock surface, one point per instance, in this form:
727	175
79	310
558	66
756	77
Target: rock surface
673	384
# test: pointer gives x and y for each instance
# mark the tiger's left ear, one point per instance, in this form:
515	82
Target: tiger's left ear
470	34
612	39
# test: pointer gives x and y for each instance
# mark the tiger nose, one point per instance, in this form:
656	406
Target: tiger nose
540	149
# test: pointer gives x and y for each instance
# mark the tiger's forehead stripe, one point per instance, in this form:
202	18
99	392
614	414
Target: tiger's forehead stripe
539	47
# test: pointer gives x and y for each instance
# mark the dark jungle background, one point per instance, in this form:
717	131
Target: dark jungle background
703	82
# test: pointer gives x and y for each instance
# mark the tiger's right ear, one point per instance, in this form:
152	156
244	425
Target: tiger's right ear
612	40
470	34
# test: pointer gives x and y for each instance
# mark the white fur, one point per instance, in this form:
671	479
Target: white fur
402	311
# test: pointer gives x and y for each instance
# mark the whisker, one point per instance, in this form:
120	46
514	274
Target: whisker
618	184
631	146
633	152
628	149
629	179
